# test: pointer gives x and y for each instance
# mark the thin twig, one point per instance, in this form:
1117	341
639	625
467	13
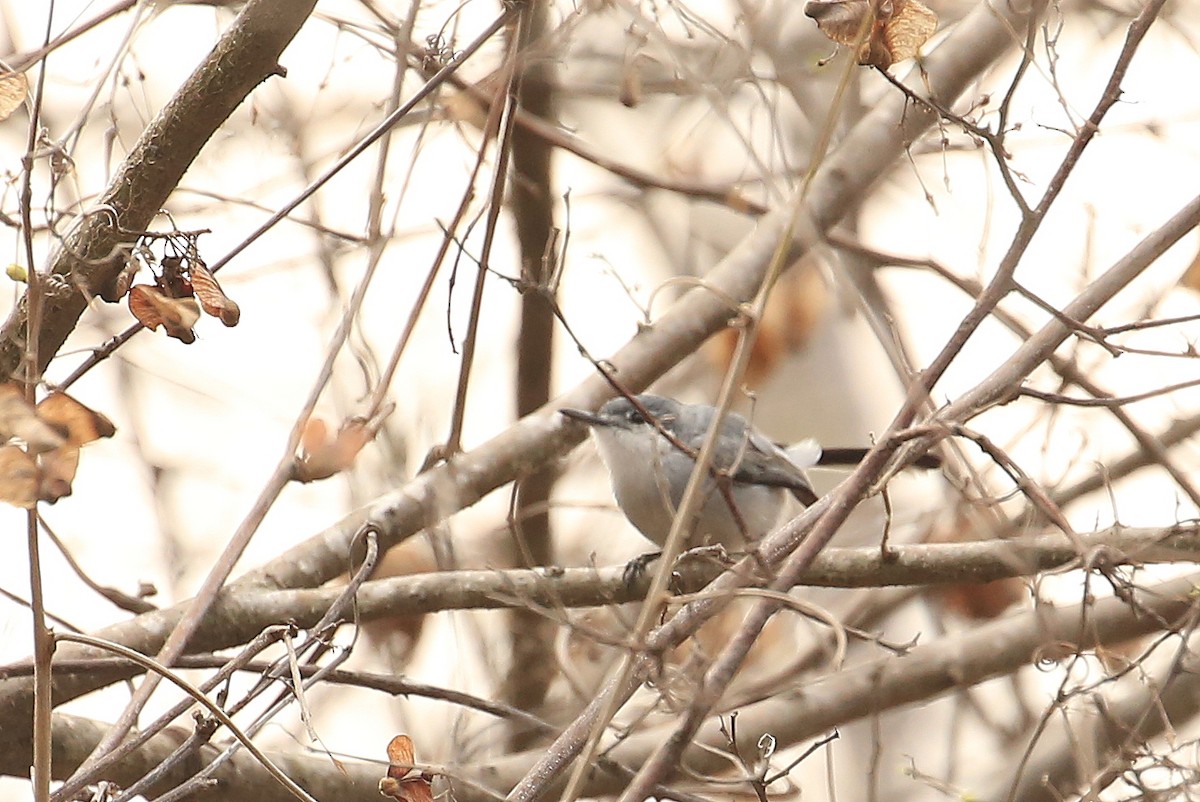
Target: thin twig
43	639
196	694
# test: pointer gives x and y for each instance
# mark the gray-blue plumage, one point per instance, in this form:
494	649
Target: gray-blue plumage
649	472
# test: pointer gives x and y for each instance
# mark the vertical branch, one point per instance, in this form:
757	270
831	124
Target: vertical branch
531	668
499	125
245	55
43	639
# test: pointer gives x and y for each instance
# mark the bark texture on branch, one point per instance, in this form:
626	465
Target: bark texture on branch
92	254
957	661
867	153
95	251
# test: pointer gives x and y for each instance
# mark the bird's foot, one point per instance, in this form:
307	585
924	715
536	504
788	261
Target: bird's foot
635	569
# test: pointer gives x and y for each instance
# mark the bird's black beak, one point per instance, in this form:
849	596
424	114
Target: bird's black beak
590	418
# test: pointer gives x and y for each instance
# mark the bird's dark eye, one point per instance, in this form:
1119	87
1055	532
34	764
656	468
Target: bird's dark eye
634	416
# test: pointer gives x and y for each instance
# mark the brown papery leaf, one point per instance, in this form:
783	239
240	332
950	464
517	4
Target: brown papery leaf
840	20
416	789
58	469
404	782
79	423
400	755
910	27
19	419
895	32
153	309
972	600
18	478
321	457
795	308
351	439
173	279
314	435
212	298
14	88
316	459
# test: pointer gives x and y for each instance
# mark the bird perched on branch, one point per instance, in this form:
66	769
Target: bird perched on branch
649	444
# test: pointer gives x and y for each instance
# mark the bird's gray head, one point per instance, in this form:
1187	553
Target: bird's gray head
622	414
630	435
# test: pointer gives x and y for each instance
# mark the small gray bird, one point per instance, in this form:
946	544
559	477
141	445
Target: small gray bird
649	472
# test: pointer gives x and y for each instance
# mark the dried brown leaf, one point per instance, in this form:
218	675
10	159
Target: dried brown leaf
173	278
152	308
321	457
400	754
1191	276
909	28
975	601
895	30
795	308
840	20
58	469
79	423
314	435
403	782
19	418
982	602
212	298
14	88
18	478
631	86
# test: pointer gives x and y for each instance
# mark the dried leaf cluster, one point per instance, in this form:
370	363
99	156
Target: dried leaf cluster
39	459
14	88
404	782
183	286
885	31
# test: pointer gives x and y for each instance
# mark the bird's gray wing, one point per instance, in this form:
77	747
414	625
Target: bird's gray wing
765	463
758	460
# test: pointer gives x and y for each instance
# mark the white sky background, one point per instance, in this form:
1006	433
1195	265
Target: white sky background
213	417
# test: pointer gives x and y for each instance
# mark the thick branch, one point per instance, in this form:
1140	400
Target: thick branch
532	664
905	565
239	617
74	738
94	252
431	497
952	662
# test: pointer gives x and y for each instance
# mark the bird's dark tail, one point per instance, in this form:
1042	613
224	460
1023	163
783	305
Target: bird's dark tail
853	456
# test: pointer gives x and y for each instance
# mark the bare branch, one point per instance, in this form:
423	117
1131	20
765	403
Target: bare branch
93	253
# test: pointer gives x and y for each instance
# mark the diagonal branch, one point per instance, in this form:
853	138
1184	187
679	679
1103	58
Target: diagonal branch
958	661
974	656
841	182
868	153
94	252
